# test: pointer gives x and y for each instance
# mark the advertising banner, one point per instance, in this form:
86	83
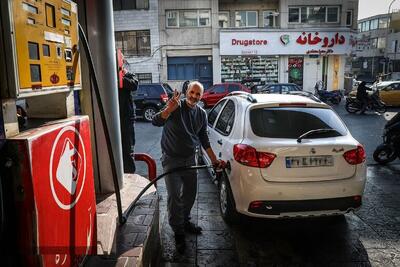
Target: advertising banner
287	43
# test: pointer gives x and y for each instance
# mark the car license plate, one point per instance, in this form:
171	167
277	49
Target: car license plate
311	161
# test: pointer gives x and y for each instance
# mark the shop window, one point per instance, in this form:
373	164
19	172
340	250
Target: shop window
246	19
374	43
349	17
130	4
188	18
223	19
144	78
133	43
269	18
262	69
314	14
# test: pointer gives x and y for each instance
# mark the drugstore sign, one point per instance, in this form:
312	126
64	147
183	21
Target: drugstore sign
287	43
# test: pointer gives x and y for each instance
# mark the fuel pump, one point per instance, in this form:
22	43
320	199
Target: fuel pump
47	172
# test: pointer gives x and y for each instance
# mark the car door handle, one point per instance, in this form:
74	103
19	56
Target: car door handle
219	141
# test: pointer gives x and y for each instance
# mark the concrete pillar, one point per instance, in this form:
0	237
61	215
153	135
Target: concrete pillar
100	35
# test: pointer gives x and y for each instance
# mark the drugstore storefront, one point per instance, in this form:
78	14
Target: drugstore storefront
284	56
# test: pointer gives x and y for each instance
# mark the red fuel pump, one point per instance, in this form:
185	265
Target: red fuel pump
54	194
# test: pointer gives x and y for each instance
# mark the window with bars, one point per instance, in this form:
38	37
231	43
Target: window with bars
144	78
133	43
130	4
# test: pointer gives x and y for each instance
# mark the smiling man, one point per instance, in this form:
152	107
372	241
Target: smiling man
185	127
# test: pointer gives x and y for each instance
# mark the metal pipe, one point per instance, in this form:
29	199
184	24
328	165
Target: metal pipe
151	164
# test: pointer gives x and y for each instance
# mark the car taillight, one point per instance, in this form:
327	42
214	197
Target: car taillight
164	98
249	156
355	156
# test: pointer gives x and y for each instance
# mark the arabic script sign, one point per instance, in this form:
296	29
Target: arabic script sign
287	43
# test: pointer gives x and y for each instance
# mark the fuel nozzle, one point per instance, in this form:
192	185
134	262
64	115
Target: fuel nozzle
219	166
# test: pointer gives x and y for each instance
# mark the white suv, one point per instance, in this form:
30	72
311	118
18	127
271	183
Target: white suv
287	155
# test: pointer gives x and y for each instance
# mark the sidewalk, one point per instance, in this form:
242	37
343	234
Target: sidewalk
215	246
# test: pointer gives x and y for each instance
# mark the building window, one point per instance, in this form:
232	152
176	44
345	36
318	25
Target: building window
130	4
374	43
246	19
381	43
349	17
269	18
223	19
374	24
144	78
314	14
383	23
133	43
188	18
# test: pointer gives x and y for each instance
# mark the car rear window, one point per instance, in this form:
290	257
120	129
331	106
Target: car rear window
153	89
291	122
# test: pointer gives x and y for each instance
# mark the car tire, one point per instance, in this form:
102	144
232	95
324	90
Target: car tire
227	203
148	113
202	104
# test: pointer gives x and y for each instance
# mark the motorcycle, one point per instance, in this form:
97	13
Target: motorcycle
334	97
389	150
354	105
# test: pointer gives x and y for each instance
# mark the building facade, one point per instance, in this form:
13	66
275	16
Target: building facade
259	41
137	35
370	49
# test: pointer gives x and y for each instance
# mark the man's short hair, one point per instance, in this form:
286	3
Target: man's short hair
195	83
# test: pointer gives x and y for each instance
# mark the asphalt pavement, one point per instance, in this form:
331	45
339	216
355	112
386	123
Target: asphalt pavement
368	237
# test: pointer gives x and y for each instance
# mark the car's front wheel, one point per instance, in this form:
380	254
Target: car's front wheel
148	113
227	204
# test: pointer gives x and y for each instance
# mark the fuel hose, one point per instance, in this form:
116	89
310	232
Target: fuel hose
92	71
178	169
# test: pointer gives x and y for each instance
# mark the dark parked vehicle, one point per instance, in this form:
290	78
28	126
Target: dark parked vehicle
216	92
150	98
279	88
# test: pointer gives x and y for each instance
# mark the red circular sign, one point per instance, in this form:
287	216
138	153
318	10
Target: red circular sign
67	167
54	78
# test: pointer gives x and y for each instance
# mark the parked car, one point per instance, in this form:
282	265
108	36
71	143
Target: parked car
214	93
150	98
287	156
279	88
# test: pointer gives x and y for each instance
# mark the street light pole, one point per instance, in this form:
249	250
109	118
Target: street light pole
386	69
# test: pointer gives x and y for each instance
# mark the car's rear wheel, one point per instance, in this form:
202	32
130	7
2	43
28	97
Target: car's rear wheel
227	204
148	113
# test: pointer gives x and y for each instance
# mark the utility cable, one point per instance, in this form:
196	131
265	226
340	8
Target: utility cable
82	36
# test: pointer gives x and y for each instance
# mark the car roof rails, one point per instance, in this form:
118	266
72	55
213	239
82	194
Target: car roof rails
306	94
249	97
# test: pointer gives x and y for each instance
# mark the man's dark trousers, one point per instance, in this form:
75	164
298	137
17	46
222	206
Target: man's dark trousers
181	189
